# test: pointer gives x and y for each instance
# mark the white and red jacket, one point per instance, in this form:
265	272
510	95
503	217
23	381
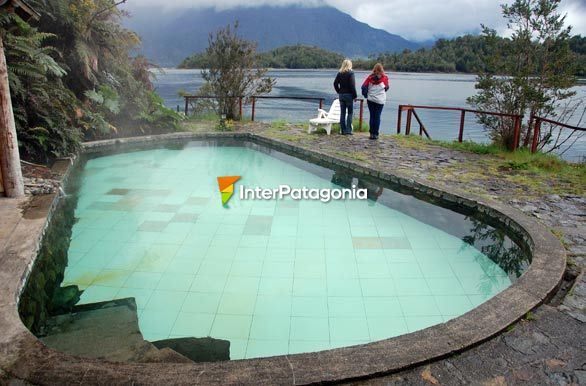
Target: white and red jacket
375	90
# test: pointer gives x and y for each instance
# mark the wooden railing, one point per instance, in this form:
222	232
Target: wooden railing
422	130
537	129
255	98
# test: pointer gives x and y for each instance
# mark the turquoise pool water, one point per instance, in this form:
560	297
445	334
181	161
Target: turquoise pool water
272	277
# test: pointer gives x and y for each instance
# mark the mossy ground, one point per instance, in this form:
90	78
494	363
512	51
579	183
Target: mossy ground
536	173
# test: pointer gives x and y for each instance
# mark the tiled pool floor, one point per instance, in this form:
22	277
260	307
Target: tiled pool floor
273	277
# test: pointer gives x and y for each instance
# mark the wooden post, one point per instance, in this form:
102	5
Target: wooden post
253	108
409	115
321	103
399	116
186	105
240	106
517	133
462	120
9	156
536	135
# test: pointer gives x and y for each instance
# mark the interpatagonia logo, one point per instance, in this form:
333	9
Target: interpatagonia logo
226	185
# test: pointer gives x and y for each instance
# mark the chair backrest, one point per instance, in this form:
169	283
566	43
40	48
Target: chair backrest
334	112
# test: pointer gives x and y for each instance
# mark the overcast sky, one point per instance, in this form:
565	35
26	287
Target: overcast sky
415	20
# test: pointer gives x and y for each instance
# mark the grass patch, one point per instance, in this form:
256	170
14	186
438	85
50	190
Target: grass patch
469	146
279	124
355	126
539	172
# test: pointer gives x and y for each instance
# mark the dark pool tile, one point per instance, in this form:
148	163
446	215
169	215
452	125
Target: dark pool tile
167	208
366	243
127	203
259	220
119	192
153	226
151	192
395	243
185	217
258	225
99	205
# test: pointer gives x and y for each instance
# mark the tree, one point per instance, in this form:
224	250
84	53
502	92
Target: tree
72	76
530	74
234	70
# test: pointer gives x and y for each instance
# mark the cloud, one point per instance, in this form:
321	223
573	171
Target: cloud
415	20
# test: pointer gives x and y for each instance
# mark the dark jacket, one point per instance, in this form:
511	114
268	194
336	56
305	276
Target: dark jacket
345	83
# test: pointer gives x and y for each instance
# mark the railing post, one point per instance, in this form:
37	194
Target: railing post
462	120
240	106
536	131
408	128
186	106
517	133
361	114
253	108
321	103
399	116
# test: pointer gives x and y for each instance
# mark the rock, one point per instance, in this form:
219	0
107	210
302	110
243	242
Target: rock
107	330
581	375
198	349
521	345
65	298
529	208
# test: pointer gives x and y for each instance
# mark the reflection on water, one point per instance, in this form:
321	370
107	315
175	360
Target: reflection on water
498	246
492	242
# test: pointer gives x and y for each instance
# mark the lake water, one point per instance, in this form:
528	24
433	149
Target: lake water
406	88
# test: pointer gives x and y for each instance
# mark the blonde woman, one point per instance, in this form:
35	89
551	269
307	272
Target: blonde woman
345	85
375	89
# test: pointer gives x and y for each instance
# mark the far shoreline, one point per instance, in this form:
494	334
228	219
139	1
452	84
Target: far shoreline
580	81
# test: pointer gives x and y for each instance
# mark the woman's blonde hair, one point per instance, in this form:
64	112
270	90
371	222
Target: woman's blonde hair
378	69
346	65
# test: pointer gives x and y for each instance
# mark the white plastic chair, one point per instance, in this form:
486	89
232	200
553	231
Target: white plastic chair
326	118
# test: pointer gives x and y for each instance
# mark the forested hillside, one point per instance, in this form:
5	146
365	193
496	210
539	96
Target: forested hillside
298	56
466	54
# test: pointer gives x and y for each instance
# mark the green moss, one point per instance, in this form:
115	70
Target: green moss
560	235
279	124
416	141
36	304
530	316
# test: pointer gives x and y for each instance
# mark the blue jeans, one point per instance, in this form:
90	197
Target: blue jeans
346	111
375	110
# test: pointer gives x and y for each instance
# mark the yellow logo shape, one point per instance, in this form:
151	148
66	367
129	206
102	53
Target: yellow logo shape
227	187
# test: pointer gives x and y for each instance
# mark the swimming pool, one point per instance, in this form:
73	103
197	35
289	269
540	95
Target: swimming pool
274	277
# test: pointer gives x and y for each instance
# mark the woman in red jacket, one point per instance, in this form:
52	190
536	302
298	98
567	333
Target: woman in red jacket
375	89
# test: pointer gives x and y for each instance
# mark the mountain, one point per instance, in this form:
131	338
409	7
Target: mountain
169	37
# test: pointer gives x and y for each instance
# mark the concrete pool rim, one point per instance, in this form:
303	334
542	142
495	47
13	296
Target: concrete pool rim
23	356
